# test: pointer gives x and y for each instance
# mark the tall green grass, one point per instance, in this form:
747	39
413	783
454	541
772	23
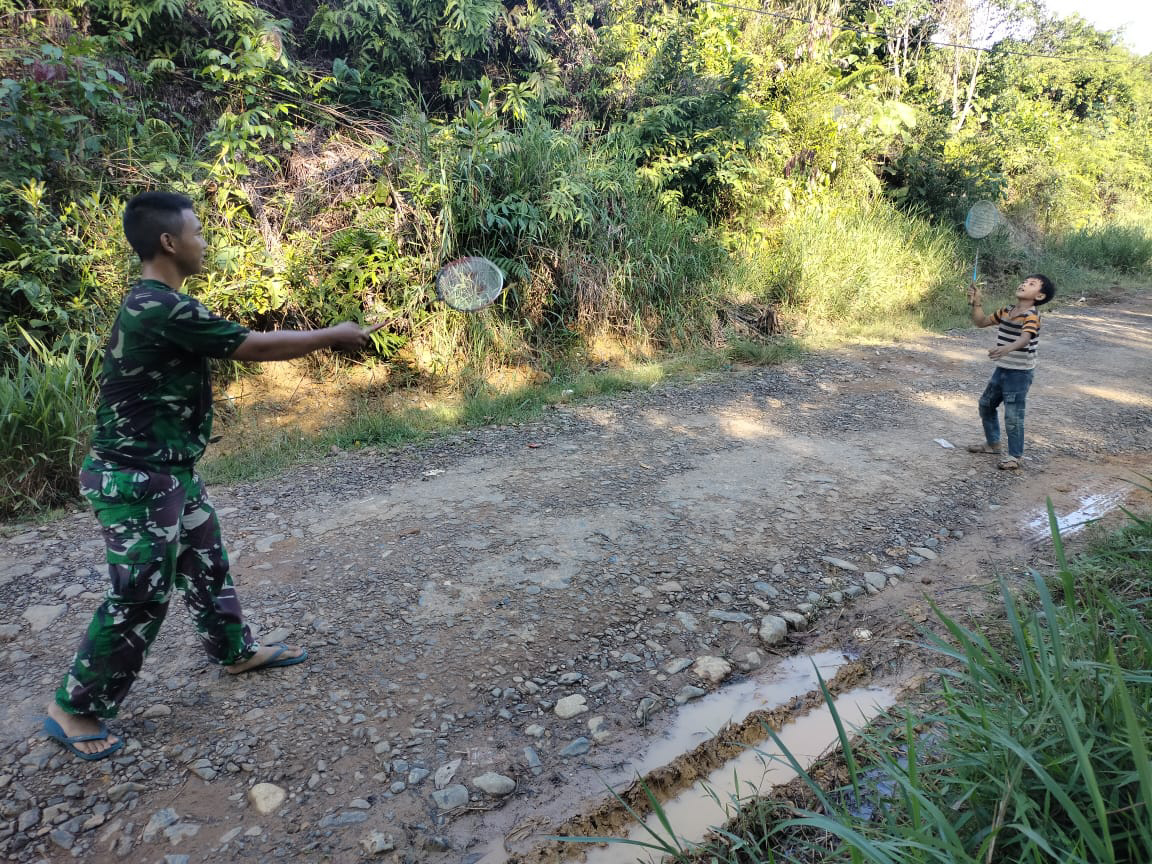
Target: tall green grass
859	264
47	401
1037	749
1127	248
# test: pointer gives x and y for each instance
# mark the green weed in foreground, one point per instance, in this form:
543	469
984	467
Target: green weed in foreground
1038	750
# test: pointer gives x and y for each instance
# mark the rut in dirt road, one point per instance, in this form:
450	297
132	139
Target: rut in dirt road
501	618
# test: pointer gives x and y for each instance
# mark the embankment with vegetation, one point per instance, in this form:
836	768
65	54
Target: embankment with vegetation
655	179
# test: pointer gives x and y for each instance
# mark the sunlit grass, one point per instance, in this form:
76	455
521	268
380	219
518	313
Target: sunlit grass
252	453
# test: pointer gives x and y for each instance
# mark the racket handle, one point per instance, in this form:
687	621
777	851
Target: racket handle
975	265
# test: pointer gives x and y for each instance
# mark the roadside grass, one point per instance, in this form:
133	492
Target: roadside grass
836	270
47	400
1034	748
257	454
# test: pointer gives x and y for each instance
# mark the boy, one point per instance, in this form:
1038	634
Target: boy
153	422
1015	356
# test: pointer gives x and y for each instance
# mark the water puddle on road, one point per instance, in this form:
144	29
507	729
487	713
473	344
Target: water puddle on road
1091	505
697	721
713	801
696	728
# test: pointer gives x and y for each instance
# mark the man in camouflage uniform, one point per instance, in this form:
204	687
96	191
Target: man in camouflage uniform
153	422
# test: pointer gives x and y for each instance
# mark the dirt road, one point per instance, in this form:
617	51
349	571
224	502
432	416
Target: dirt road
501	619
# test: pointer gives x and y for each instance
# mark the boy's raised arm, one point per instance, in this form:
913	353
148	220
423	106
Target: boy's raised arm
976	310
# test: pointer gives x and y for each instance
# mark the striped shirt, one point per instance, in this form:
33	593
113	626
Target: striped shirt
1011	328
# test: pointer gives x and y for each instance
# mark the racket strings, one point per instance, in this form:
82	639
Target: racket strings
983	217
469	284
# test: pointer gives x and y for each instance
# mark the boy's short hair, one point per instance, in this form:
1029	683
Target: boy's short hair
151	214
1048	285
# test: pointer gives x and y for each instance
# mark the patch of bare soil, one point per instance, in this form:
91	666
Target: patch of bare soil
500	622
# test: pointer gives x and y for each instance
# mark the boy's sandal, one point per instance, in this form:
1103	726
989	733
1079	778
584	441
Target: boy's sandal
1008	463
984	447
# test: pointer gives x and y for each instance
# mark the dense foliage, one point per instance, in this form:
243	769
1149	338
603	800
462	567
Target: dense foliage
632	167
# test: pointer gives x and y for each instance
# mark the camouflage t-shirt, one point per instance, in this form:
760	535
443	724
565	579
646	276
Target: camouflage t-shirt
155	407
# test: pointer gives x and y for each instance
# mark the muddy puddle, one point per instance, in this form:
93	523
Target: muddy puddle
714	800
700	720
1090	504
714	755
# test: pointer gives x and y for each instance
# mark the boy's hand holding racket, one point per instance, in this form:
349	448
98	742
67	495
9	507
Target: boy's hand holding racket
974	294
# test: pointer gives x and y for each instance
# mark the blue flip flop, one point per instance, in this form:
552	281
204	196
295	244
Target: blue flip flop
276	660
54	731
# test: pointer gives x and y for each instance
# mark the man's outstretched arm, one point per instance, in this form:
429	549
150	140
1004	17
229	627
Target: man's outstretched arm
263	347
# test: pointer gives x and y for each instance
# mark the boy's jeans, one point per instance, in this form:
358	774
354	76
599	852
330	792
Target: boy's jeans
1009	386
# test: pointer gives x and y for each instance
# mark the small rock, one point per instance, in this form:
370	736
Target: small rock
729	617
570	706
577	748
41	617
451	797
28	819
687	693
445	773
494	784
154	711
123	790
645	708
924	552
875	580
840	563
348	817
749	661
160	820
266	797
181	831
714	669
773	629
795	620
678	666
767	590
377	843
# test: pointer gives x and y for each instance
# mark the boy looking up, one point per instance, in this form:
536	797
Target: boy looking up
153	422
1015	354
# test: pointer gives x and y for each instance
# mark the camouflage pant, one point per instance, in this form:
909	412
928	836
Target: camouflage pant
160	532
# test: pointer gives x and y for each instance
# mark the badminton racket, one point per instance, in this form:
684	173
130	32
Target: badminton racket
983	218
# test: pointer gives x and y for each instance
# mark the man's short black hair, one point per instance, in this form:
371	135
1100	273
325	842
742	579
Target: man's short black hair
151	214
1048	285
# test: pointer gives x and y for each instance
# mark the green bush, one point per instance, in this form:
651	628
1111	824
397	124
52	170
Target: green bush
1127	248
47	403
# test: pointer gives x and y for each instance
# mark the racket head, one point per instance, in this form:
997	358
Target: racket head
469	283
982	219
